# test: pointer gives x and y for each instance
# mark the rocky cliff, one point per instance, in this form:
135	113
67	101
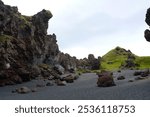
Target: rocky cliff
26	49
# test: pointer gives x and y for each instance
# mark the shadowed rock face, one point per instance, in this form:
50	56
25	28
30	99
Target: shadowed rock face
147	31
24	43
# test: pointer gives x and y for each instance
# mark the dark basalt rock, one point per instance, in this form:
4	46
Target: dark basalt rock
147	20
105	79
25	44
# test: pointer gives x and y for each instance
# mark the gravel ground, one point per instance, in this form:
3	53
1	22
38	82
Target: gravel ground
85	88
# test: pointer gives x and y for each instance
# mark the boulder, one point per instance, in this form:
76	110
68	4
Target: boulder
136	73
59	69
147	20
60	83
69	78
49	84
40	85
105	80
145	73
142	73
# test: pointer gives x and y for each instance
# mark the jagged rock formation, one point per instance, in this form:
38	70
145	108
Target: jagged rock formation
26	50
147	31
90	63
130	62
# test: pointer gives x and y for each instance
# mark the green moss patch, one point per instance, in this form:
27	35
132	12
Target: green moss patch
4	38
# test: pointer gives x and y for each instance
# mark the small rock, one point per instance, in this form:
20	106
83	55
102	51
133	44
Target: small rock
60	83
69	78
14	91
34	89
23	90
136	73
144	74
130	81
139	78
121	78
40	85
49	84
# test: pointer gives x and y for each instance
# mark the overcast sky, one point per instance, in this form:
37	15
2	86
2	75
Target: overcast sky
93	26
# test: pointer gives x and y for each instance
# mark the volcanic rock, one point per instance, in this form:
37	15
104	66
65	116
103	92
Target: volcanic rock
25	45
23	90
105	80
121	78
147	20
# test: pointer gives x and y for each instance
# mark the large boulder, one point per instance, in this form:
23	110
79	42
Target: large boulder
59	69
105	79
69	78
147	20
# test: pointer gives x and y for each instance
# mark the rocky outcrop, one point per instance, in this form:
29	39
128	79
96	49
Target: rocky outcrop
25	46
68	62
147	31
130	62
90	63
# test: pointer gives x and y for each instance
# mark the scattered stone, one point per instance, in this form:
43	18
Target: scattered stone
34	90
40	85
140	78
121	78
60	83
130	81
49	84
60	70
23	90
69	78
136	73
14	91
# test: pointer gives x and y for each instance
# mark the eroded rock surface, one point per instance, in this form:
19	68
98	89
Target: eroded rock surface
26	50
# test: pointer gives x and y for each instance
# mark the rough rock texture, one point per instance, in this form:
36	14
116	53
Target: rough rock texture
90	63
68	62
130	62
25	45
105	79
147	31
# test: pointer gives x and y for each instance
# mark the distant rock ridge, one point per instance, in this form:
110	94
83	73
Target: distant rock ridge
26	50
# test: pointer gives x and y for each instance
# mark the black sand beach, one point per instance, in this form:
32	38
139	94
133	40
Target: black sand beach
85	88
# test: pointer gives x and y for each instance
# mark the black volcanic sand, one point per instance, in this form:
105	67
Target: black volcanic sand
85	88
